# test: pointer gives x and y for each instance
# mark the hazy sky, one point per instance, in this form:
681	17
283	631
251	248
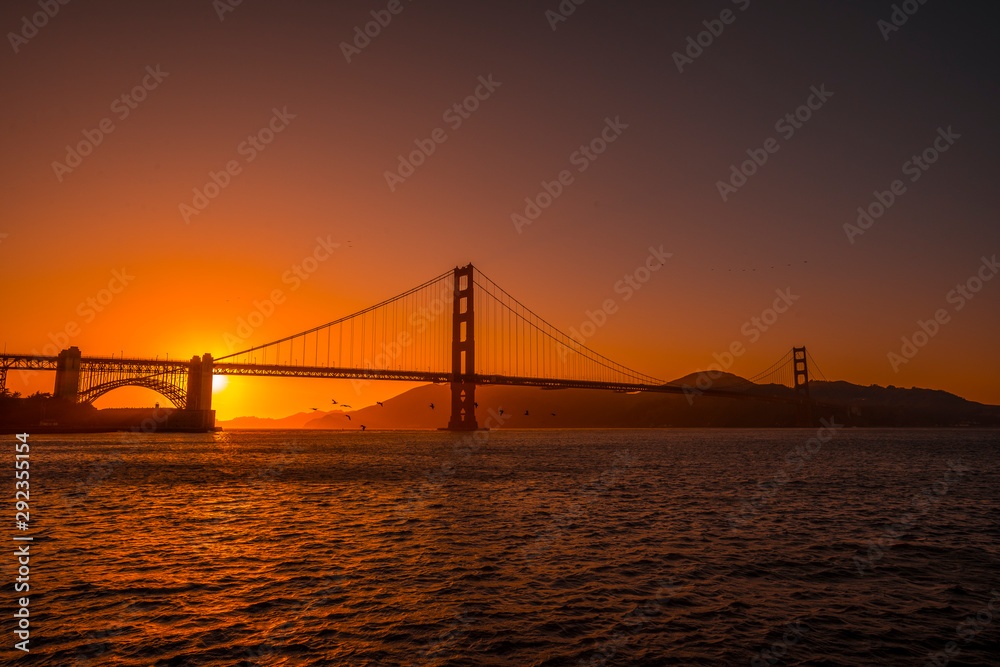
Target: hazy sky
114	113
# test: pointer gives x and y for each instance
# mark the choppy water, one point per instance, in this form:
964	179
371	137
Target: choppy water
530	548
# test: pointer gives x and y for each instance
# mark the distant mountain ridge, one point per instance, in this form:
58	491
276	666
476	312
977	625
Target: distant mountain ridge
298	420
851	404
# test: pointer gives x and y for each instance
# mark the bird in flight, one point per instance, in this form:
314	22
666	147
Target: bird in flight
501	412
344	405
432	406
526	413
379	403
348	416
475	405
334	401
553	414
362	427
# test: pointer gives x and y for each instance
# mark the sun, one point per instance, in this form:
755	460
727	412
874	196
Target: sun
219	382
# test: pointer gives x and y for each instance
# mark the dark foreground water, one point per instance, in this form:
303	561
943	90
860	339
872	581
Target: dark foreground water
654	547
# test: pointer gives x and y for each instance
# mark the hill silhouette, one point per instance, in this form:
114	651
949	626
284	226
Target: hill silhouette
851	404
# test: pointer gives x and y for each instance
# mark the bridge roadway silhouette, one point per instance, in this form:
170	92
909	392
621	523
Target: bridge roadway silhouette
498	342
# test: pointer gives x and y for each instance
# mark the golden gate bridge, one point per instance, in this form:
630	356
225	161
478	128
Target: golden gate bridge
459	328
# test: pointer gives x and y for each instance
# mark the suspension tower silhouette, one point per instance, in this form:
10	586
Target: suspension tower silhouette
801	370
800	380
463	353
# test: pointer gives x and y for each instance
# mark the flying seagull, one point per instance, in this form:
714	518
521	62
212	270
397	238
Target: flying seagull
362	427
348	416
432	406
379	403
526	413
315	408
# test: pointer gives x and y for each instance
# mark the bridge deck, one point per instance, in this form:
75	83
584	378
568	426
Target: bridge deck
146	366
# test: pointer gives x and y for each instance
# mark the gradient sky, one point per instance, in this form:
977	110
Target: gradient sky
63	235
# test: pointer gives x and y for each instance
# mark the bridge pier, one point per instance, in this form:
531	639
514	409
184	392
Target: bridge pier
463	349
199	383
68	375
199	390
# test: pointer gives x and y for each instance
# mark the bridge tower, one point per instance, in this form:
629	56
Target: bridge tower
68	375
463	353
801	370
199	384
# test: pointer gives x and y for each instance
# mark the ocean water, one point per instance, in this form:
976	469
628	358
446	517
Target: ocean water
575	547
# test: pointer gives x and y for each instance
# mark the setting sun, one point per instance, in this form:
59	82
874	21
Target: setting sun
219	382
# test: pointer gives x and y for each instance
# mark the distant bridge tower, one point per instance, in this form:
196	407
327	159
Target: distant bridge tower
801	370
463	354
